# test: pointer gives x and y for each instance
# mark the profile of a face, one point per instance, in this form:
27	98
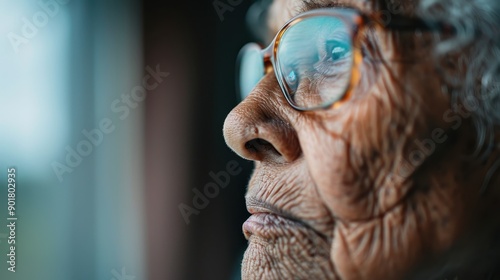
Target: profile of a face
371	160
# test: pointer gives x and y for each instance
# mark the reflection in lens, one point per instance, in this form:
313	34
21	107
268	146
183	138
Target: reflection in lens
315	60
292	80
251	69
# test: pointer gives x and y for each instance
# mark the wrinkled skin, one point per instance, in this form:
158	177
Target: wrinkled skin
355	207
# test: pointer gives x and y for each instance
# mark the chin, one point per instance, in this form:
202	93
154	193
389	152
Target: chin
283	248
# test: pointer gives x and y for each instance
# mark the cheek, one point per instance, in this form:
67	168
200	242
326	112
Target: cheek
357	153
351	154
336	176
426	225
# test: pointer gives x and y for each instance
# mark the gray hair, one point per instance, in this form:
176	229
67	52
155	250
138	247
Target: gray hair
478	40
477	23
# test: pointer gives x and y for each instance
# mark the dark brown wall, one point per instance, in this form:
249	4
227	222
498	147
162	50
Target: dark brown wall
183	139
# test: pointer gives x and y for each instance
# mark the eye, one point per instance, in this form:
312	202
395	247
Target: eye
338	53
337	50
335	58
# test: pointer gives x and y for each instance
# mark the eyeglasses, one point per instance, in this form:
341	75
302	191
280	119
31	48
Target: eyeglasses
316	56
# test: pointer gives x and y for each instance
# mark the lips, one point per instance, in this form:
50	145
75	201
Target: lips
269	221
270	226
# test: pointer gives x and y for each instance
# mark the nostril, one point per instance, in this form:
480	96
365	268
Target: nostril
261	149
253	135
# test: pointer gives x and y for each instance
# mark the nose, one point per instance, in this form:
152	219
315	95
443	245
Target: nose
260	128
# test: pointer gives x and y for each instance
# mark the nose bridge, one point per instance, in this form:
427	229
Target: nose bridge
261	127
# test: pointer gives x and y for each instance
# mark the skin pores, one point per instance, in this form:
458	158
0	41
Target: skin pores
369	190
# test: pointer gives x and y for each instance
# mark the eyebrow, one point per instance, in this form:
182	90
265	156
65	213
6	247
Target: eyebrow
362	5
397	22
317	4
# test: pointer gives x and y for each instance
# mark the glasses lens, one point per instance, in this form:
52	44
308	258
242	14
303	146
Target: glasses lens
251	68
314	61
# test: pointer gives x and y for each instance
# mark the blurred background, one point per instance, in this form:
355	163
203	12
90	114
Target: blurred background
111	112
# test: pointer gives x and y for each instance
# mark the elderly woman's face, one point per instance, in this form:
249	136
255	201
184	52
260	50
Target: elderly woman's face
373	189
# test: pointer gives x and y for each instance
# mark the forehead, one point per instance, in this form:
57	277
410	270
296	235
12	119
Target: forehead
281	11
